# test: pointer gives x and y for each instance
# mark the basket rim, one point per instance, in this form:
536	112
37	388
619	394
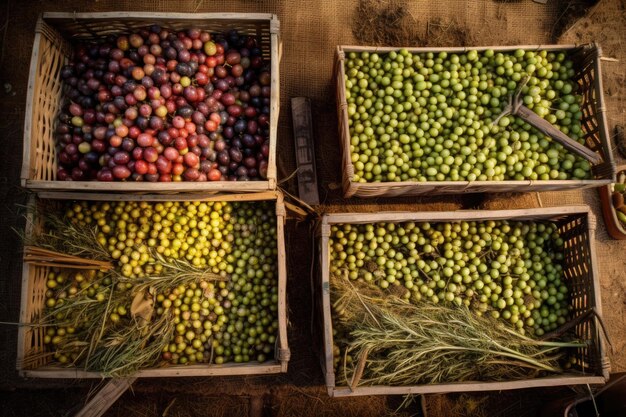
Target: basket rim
157	15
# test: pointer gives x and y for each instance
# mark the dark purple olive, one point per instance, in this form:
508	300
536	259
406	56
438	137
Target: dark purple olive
83	165
223	158
222	85
235	155
249	162
228	132
142	122
128	144
121	158
77	174
156	123
185	112
184	69
198	118
67	71
240	126
62	128
71	149
91	158
64	158
241	171
248	141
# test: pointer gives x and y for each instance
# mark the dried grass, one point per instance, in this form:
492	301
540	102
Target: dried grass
400	344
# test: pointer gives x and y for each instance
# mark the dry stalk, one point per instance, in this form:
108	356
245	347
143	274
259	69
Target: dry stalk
407	344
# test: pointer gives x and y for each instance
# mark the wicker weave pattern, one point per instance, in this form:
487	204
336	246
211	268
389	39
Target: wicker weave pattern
587	65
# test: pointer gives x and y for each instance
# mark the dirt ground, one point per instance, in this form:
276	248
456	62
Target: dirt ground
309	33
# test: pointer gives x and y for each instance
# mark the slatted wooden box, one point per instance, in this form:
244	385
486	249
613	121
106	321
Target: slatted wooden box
577	226
589	77
55	35
31	359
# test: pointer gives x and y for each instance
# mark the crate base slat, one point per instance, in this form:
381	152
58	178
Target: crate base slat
272	367
145	187
467	386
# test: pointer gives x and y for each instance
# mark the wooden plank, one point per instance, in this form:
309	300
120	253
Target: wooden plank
329	371
305	153
468	386
595	276
458	49
283	353
269	367
106	397
28	119
432	216
272	172
157	15
133	187
265	195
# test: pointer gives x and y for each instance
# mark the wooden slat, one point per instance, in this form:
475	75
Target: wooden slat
274	109
443	216
28	120
460	49
149	16
282	353
468	386
305	153
265	195
106	397
134	187
230	369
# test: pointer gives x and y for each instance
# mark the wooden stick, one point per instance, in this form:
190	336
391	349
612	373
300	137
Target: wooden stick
548	128
46	257
358	373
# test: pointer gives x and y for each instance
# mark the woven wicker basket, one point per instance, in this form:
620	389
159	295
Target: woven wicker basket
31	358
587	64
53	47
577	227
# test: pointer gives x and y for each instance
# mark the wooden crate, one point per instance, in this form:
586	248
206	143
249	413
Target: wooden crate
53	47
588	75
31	362
577	225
